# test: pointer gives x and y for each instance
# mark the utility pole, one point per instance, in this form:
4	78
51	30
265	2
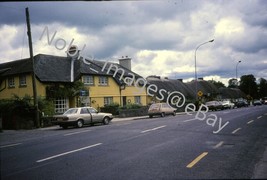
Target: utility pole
37	120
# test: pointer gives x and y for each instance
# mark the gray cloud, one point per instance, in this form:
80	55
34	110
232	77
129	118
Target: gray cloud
112	29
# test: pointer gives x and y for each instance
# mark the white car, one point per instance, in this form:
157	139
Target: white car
80	116
228	104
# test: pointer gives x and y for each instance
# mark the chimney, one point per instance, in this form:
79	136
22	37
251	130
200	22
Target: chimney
125	62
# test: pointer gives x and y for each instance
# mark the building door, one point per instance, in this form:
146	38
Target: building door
123	100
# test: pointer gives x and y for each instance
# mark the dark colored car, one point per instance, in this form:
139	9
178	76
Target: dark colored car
240	104
214	105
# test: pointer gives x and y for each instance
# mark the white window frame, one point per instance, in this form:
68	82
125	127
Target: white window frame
61	105
137	99
11	82
88	80
22	80
108	100
103	80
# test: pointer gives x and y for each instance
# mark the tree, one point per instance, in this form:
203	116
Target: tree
249	86
218	84
232	83
263	88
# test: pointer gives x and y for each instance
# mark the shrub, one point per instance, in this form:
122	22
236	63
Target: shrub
111	108
131	106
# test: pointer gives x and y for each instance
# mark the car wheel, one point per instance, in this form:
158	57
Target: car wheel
80	123
106	120
162	114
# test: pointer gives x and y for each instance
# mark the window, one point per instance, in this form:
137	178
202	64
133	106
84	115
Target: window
108	100
88	80
92	110
84	111
11	82
103	80
61	105
22	80
137	99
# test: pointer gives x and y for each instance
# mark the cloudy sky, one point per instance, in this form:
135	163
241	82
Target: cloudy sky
160	36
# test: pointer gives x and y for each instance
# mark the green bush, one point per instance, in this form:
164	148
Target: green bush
111	108
46	106
131	106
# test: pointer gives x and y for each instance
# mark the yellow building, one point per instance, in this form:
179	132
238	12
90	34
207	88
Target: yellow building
56	78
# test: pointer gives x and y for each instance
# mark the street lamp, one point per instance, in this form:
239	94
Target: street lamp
236	68
196	63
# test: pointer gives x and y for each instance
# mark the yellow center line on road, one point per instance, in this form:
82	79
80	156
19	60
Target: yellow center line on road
236	130
190	165
153	129
259	117
250	122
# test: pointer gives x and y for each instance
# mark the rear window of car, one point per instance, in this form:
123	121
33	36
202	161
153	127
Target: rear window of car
210	103
165	106
71	111
153	106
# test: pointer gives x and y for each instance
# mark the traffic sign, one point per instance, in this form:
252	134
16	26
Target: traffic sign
200	93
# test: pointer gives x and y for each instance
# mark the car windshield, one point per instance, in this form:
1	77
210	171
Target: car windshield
71	111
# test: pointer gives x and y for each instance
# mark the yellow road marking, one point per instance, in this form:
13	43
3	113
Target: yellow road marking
190	165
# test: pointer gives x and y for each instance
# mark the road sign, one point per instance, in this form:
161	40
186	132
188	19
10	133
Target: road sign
200	93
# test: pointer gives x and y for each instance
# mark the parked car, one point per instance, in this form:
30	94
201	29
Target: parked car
81	116
161	109
264	100
228	104
214	105
257	103
239	104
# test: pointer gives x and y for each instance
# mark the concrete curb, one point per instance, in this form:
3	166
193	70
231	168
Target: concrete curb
117	119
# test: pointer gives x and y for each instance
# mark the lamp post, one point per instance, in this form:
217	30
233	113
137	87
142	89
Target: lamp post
196	64
236	69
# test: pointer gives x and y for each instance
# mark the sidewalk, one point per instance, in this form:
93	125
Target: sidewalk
117	119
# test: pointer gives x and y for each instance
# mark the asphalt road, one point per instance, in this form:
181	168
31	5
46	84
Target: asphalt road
173	147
